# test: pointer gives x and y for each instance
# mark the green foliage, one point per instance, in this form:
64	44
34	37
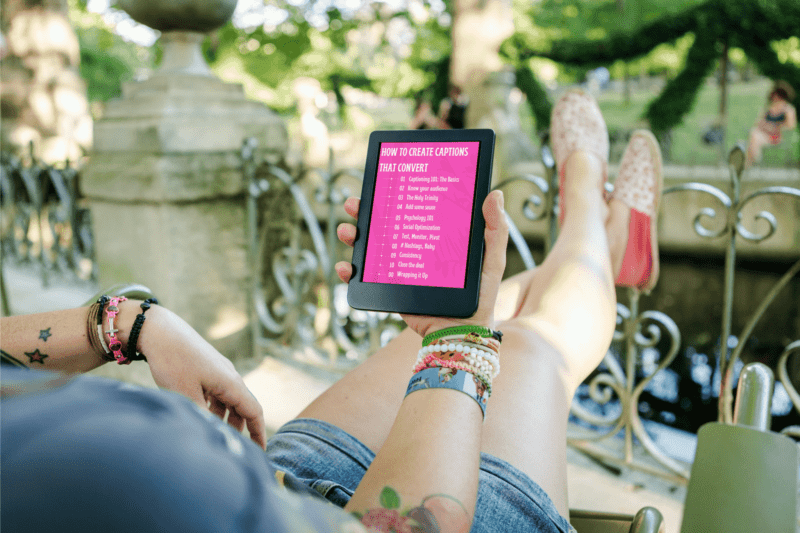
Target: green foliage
339	49
107	60
588	41
103	71
680	93
540	104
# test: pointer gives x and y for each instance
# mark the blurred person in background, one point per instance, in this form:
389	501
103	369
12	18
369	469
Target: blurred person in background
779	115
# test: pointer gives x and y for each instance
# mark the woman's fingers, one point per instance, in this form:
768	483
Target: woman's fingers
244	409
217	407
496	237
235	421
346	233
344	271
351	206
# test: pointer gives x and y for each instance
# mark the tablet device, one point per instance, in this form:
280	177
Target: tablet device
419	244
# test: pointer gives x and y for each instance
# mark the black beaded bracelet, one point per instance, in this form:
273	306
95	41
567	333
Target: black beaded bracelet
133	338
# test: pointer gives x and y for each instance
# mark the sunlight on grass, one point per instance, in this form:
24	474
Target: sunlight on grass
745	100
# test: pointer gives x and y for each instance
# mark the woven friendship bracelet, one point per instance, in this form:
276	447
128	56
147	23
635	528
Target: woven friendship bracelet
483	331
450	378
133	338
114	343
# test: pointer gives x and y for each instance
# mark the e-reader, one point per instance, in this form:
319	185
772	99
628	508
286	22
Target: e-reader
419	241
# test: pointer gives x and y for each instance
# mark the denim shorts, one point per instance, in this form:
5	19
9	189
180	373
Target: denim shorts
332	462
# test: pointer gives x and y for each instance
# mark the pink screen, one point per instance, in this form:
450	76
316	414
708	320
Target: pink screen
420	223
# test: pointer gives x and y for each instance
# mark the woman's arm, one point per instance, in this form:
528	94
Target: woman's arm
427	470
179	358
791	118
56	340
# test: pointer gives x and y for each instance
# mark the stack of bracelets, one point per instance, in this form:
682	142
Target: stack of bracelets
104	340
463	358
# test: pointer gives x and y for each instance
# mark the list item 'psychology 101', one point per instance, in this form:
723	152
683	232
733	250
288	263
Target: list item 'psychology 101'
419	229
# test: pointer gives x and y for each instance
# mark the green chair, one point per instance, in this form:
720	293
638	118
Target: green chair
744	477
647	520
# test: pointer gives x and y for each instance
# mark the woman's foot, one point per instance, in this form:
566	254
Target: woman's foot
577	125
633	237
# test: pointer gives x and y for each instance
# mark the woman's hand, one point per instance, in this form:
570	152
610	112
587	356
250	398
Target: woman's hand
183	361
494	263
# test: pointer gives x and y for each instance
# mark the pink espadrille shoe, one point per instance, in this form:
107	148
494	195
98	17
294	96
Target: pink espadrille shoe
638	186
577	124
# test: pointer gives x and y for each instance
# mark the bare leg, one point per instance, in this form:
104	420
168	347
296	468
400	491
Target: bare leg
557	332
755	144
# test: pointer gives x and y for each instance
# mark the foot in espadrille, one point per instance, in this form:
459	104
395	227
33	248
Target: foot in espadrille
577	124
638	186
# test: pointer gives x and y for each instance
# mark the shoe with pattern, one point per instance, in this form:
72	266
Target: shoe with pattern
638	185
577	124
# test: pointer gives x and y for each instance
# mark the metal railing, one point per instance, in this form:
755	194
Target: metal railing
43	221
302	313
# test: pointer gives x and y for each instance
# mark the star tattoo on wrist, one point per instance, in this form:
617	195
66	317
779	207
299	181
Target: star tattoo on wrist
44	334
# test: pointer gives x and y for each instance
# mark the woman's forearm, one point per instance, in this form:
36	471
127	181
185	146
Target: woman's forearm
428	467
59	340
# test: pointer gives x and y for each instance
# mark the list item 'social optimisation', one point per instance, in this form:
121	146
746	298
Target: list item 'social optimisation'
421	211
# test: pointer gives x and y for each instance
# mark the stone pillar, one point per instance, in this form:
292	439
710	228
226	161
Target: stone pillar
167	194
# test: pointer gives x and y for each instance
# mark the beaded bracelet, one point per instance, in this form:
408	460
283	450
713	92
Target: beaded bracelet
484	378
486	373
473	338
482	331
482	358
481	362
113	342
449	378
133	338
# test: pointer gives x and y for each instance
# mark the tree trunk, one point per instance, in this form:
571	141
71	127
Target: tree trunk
479	28
42	95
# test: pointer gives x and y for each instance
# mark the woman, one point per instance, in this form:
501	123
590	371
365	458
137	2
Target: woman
779	115
430	460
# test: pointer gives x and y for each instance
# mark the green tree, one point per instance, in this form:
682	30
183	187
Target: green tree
392	53
751	26
106	59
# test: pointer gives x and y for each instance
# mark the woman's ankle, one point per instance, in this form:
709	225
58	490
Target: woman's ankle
617	231
585	176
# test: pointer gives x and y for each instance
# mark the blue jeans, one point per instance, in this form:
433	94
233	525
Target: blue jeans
333	462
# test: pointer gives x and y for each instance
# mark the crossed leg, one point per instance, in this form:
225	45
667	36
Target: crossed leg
557	320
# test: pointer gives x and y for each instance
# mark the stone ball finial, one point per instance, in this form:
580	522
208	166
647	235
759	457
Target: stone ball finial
180	15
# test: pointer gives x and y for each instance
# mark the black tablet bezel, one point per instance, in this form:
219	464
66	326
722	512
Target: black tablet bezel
416	299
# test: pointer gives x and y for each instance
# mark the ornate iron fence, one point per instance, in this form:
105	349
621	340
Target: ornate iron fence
43	221
302	313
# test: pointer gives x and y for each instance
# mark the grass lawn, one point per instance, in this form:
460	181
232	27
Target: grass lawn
745	100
